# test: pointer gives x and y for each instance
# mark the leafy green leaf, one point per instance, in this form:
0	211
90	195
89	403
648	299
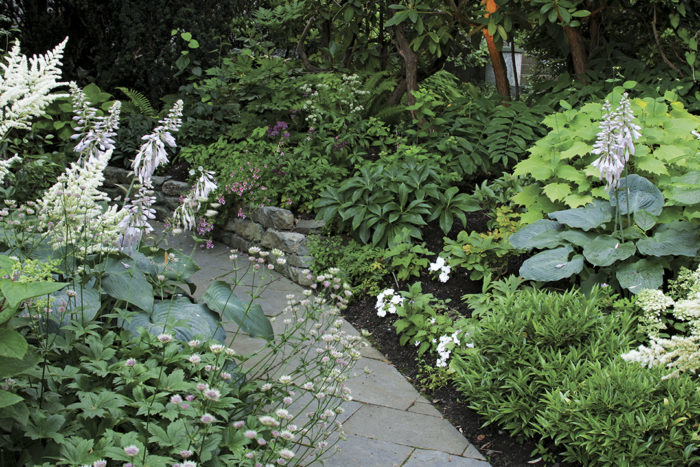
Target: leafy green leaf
540	234
586	218
552	265
557	191
16	292
644	219
12	344
14	366
684	190
676	238
7	398
124	281
250	317
605	250
639	275
642	194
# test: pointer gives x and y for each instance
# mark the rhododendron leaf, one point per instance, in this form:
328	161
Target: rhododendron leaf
250	317
640	275
552	265
605	250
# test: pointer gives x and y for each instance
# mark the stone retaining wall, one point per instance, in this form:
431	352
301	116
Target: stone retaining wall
266	227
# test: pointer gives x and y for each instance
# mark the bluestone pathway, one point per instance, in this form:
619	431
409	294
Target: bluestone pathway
388	423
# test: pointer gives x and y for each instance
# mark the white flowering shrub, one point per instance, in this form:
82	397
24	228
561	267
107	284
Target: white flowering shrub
681	351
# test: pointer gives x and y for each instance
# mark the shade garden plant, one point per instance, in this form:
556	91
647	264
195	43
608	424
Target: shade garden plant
105	355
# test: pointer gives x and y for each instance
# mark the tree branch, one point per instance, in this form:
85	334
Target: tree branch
658	45
300	48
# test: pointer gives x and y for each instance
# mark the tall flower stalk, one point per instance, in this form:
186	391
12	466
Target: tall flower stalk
614	145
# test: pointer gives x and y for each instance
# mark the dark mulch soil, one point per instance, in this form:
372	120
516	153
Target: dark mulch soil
496	445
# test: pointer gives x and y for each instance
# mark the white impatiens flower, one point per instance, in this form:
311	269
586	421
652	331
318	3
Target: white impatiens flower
26	84
615	141
152	152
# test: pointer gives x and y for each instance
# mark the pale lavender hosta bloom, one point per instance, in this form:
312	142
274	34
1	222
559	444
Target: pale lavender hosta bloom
185	214
152	152
95	133
615	142
138	222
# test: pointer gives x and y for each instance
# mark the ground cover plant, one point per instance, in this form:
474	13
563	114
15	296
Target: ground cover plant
105	355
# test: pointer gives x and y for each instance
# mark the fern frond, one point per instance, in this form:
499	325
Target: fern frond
141	102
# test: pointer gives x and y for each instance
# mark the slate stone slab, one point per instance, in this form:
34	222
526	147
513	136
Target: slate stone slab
379	383
424	457
365	452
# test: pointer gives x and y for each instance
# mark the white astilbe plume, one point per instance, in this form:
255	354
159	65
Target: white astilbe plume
95	134
615	142
26	84
71	212
5	166
185	214
152	152
137	222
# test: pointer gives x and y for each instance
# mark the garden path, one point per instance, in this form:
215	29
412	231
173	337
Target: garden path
388	423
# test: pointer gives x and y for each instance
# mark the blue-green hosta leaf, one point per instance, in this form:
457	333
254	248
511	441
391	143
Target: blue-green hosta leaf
540	234
124	281
84	306
589	217
190	319
153	261
605	250
685	190
250	317
642	194
576	237
644	219
12	344
640	275
677	238
552	265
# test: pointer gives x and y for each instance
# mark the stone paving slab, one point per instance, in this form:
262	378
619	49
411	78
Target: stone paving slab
406	428
388	423
423	457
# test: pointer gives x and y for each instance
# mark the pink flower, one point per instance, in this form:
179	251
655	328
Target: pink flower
131	450
207	418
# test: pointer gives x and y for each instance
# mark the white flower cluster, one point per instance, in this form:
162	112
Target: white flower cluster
681	353
5	166
25	86
615	142
185	214
439	265
95	134
387	301
445	346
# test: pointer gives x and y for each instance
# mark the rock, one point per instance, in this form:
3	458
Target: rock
303	262
309	226
117	176
246	229
175	188
274	218
289	242
232	240
158	181
297	275
162	213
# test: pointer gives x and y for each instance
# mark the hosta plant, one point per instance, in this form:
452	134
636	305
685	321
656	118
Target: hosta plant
666	154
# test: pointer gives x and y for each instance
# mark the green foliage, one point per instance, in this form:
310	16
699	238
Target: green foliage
529	343
406	259
635	256
560	163
423	319
431	378
619	415
485	254
362	266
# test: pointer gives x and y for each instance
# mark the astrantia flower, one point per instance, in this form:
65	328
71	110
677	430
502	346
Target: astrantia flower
165	338
207	418
250	434
268	421
286	454
195	358
131	450
212	394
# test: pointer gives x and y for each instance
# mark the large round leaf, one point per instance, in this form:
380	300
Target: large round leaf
250	317
605	250
640	275
684	190
642	194
552	265
540	234
181	317
677	238
576	237
85	305
587	217
125	281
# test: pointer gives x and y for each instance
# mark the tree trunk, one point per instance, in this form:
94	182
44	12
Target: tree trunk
499	64
578	51
410	62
